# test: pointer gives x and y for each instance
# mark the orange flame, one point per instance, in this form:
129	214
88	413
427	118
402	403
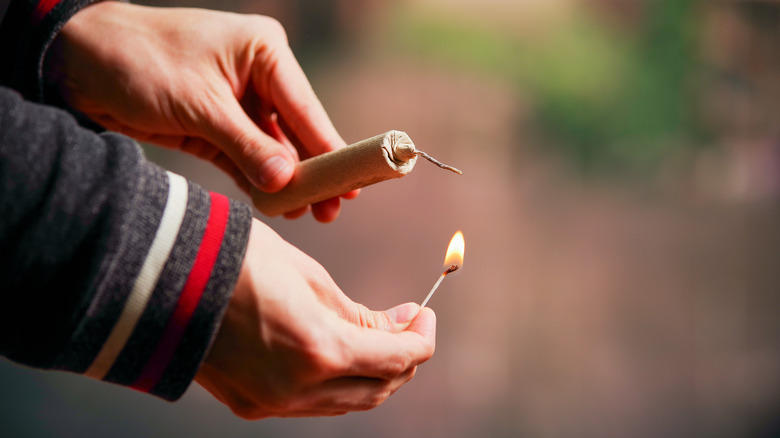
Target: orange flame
455	251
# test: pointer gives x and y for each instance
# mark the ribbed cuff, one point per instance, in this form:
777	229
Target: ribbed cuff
152	332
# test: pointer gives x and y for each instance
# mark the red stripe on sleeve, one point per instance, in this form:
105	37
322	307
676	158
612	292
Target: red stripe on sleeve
41	10
190	295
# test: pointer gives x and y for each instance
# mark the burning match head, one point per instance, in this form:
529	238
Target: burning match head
451	269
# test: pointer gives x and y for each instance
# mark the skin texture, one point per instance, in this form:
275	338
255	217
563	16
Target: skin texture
227	88
292	344
224	87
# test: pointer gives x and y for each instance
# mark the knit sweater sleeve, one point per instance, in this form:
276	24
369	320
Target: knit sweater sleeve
110	266
27	29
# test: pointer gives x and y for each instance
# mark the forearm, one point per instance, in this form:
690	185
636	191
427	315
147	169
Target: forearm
111	266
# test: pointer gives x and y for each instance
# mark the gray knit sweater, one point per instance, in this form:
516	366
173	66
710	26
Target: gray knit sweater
109	265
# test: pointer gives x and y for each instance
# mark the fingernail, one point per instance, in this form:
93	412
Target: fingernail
272	167
403	313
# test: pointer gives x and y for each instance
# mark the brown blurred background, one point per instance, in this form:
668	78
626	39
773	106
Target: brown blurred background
620	204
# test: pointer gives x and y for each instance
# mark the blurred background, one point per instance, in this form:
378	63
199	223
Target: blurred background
620	204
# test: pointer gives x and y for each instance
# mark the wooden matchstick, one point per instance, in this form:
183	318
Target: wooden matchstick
375	159
452	268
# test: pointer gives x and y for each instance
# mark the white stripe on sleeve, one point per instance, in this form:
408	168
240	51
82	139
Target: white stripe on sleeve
173	215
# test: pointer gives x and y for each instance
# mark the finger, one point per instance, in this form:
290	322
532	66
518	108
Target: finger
312	413
295	214
191	145
268	121
401	316
297	105
396	319
353	393
424	325
166	140
223	162
289	134
327	210
351	195
265	162
206	151
382	354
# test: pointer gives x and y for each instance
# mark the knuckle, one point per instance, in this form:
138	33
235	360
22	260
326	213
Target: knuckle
369	318
281	404
410	374
301	112
325	358
320	354
272	28
397	365
378	398
278	401
249	146
277	29
247	410
337	413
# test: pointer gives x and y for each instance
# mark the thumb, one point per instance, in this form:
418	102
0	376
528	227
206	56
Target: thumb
266	163
392	320
399	317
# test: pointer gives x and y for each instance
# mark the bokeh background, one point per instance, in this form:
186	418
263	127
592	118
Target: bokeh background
620	203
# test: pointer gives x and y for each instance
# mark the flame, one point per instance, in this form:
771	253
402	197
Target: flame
455	251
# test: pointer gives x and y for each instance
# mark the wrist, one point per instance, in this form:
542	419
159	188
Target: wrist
54	67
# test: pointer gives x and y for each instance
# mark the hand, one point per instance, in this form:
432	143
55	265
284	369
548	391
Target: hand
224	87
292	344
